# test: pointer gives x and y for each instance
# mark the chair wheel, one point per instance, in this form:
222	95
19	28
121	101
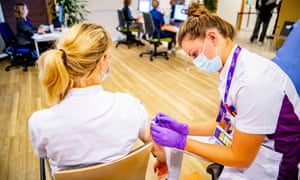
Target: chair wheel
141	55
167	58
25	69
7	69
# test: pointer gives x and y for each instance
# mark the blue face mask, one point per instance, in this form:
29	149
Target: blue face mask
208	65
106	74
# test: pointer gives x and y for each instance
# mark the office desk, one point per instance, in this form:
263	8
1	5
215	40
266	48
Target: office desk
171	28
45	38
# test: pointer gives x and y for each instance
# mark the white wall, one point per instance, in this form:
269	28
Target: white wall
227	9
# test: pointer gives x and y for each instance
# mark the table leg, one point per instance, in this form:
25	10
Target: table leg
37	48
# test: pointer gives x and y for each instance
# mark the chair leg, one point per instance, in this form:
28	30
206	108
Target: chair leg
155	53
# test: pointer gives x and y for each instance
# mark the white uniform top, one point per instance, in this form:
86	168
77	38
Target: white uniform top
257	91
89	126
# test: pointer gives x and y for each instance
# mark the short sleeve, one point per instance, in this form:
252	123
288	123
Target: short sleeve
36	136
258	106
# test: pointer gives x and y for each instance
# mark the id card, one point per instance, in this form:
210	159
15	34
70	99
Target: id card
222	136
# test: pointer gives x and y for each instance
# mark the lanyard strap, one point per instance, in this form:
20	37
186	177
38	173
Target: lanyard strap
228	83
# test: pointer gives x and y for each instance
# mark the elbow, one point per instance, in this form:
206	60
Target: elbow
244	163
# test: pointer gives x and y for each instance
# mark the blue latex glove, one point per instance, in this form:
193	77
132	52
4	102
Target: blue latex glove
167	137
163	120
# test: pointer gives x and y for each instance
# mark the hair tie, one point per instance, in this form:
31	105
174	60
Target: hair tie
64	56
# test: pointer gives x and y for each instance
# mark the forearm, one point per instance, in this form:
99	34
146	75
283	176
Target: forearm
213	152
241	153
202	129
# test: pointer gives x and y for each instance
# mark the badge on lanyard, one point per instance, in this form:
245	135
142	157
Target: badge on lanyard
222	136
224	107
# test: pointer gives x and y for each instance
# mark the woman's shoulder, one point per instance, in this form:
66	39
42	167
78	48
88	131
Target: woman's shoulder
41	116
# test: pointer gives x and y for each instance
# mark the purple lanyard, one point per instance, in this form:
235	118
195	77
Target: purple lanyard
228	83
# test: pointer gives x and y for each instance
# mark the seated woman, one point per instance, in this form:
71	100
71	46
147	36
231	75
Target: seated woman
136	22
25	30
158	19
85	124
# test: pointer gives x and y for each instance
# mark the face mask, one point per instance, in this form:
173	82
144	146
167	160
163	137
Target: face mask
208	65
106	74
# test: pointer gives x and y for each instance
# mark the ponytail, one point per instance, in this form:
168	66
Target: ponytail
53	75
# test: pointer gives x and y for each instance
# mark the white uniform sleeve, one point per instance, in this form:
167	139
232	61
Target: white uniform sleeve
258	107
36	136
142	113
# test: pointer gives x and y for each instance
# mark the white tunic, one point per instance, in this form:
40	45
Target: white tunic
89	126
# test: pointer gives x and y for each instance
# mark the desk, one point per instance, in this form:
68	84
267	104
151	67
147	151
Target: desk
169	27
44	38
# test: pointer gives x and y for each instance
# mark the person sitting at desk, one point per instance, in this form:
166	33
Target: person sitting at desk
85	124
136	22
158	19
25	30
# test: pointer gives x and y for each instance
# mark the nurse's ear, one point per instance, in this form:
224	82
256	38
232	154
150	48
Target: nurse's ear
211	35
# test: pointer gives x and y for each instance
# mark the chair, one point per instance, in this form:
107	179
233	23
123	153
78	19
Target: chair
19	56
284	32
133	167
156	41
124	28
3	54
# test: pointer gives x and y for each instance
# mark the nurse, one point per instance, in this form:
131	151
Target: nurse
259	107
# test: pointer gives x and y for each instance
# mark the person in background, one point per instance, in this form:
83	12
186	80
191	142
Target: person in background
288	56
258	125
158	19
25	30
136	22
85	124
264	10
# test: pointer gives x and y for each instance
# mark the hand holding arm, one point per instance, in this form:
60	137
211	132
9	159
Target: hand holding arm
166	121
168	137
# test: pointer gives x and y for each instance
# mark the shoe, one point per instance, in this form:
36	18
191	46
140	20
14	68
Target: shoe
260	43
144	37
172	52
140	43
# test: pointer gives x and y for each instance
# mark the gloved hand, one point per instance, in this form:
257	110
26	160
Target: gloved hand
163	120
167	137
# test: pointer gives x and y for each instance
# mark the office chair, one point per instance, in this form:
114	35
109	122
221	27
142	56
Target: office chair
133	166
284	32
156	41
19	56
124	28
3	54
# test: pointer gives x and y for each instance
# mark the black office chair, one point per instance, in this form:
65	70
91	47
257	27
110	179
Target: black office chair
19	56
156	41
214	170
125	29
284	32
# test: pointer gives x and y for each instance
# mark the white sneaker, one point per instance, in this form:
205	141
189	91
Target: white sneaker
260	43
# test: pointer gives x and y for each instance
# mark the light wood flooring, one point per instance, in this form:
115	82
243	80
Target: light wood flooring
162	85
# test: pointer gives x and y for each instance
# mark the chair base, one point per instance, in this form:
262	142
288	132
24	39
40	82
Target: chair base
155	54
129	41
20	62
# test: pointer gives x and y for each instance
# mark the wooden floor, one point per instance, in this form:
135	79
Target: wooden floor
162	85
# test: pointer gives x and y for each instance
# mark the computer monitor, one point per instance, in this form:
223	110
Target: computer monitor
180	13
144	5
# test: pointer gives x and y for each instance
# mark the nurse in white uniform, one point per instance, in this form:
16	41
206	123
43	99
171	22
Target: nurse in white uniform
258	125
